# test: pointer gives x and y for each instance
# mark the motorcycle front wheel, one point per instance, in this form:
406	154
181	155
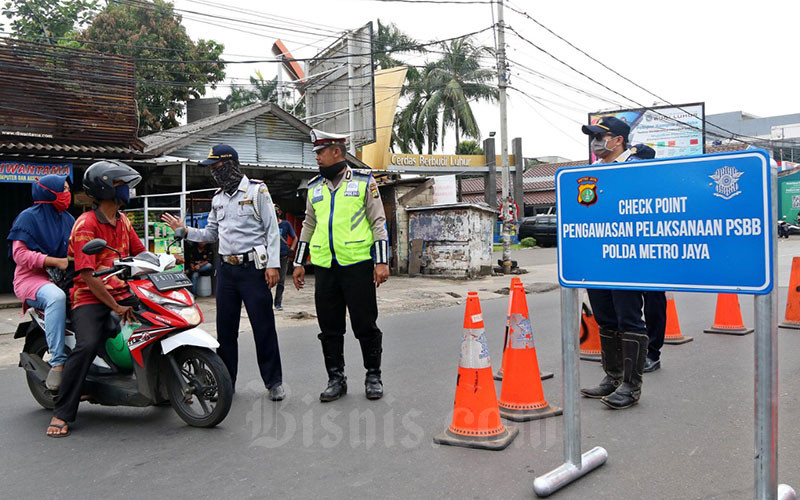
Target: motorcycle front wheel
209	391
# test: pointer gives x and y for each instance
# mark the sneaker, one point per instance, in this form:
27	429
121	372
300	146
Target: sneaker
277	393
278	307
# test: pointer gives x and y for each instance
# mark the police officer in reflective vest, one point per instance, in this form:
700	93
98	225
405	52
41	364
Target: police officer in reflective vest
623	332
344	231
243	219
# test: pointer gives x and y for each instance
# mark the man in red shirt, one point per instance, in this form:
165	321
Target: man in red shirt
93	299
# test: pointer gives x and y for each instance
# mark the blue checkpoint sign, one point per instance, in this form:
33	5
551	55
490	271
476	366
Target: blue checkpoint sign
699	223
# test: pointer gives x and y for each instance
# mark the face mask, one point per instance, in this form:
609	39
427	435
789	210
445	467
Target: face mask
122	194
600	147
333	170
228	176
62	201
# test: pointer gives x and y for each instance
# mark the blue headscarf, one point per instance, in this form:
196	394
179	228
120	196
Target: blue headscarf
41	227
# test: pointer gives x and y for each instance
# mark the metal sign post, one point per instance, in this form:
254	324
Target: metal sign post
673	224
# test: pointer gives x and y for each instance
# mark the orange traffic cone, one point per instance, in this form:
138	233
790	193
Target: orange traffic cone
589	335
792	317
476	419
499	375
673	334
521	395
728	318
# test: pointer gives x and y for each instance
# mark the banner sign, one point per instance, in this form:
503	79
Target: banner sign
670	130
413	160
20	171
693	224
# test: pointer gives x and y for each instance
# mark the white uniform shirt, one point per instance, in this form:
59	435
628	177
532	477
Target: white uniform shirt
233	222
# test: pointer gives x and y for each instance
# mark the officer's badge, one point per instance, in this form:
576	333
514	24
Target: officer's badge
317	195
373	189
352	189
587	191
727	180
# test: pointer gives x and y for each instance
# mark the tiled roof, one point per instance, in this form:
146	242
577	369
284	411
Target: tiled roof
55	148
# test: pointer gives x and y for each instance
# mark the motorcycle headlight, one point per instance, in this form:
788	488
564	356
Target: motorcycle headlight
189	313
160	299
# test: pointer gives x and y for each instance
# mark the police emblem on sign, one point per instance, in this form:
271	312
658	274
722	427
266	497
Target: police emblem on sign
727	180
587	191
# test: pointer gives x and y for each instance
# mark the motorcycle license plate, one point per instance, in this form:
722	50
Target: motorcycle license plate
169	281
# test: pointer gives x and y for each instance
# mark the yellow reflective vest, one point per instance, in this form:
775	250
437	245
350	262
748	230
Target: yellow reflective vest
342	232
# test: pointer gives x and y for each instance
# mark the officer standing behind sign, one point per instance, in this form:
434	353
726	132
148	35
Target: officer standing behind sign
344	226
243	219
623	333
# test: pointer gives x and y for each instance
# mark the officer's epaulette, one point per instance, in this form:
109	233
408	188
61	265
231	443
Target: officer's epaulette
314	181
364	173
255	181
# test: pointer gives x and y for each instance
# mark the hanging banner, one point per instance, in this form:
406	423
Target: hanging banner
20	171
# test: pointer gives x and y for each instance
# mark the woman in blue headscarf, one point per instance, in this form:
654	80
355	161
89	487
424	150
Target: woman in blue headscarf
39	239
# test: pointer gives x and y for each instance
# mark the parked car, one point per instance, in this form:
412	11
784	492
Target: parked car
543	228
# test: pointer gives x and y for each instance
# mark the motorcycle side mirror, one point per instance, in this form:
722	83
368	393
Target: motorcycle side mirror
95	246
180	233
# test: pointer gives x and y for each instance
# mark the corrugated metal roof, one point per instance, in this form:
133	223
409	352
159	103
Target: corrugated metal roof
260	133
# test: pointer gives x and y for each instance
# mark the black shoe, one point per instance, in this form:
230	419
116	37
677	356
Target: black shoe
277	393
337	387
607	386
373	386
651	366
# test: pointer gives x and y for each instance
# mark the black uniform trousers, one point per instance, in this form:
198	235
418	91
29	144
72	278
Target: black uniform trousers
655	315
89	323
246	283
618	310
352	287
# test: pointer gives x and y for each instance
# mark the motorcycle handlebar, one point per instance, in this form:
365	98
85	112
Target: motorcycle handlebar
110	270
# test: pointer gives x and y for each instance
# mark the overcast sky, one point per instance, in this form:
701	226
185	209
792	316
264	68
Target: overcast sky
733	55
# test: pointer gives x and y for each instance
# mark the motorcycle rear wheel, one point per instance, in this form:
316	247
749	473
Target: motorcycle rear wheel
210	387
42	395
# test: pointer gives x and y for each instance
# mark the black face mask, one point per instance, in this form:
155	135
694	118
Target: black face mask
227	176
332	171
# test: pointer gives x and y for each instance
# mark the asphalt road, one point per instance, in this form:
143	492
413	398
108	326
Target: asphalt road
691	436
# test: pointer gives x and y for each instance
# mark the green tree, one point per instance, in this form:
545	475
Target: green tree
458	79
387	42
260	90
48	20
469	148
170	67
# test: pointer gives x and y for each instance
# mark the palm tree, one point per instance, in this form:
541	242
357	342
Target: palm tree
389	41
456	80
262	91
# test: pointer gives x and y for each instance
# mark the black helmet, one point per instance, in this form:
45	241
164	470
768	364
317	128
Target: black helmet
99	178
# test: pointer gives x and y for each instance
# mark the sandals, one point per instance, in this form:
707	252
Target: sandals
60	427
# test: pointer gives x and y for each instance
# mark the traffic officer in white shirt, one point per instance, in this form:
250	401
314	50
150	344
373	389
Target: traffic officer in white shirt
344	230
243	219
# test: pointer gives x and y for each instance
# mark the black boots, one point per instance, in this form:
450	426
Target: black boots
611	353
333	351
371	351
634	353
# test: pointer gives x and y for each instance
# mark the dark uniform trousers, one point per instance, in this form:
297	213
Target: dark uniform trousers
655	315
89	323
618	310
352	287
246	283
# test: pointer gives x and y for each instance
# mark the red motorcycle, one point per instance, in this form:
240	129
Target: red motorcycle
163	357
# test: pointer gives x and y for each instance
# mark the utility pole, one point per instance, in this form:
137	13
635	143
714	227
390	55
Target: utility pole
502	83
